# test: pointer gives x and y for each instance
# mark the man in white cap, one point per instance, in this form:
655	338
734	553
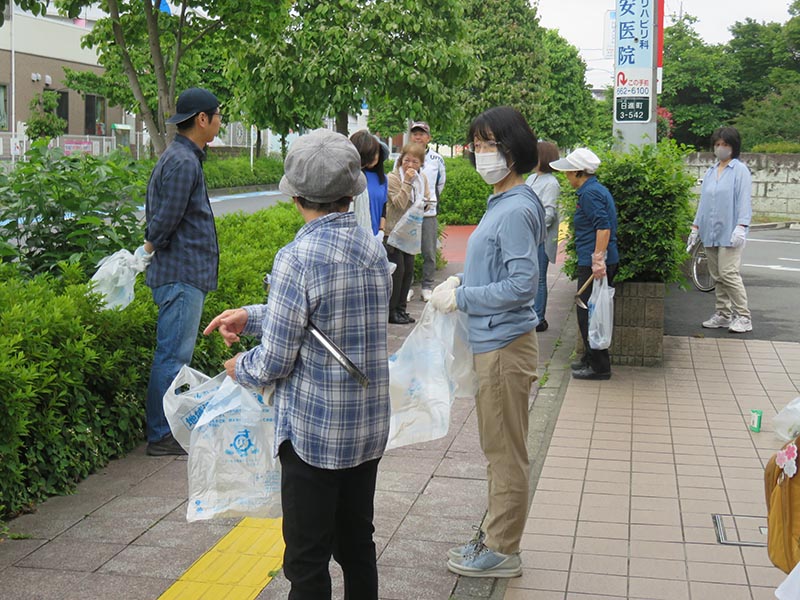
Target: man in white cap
330	432
181	250
595	224
433	168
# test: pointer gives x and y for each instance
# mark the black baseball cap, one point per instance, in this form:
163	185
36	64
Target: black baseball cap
192	101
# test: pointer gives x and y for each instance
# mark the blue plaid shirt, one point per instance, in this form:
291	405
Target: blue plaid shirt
180	223
336	275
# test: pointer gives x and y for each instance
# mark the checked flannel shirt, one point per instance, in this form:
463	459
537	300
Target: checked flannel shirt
336	275
180	223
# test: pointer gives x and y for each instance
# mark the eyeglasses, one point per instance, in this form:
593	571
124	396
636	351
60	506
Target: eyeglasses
219	114
484	146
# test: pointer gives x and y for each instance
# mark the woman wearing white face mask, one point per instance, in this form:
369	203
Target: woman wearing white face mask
722	220
497	292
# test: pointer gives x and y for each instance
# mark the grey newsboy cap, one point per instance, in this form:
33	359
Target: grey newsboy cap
322	166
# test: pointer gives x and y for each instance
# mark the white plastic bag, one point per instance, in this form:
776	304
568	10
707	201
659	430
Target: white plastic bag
431	369
787	422
115	277
228	431
407	234
232	472
790	588
186	399
601	314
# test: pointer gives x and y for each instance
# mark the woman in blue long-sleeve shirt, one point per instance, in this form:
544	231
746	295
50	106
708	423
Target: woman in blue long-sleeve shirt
722	220
497	292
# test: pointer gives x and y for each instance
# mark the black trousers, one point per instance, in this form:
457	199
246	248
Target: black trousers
402	277
599	360
328	513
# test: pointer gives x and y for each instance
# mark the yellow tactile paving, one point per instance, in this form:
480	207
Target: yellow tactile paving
237	567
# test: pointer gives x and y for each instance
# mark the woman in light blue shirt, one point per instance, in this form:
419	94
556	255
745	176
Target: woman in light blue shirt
497	292
722	220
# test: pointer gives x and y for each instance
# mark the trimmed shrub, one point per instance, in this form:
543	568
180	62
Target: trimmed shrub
464	197
75	377
235	172
76	208
777	148
652	192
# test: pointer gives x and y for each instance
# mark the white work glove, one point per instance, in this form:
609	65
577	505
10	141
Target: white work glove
141	258
450	283
738	237
599	265
693	237
444	300
380	235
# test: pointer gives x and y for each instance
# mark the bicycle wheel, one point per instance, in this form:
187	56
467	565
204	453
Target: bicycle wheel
700	276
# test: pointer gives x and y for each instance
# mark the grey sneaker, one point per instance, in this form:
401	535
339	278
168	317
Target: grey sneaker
716	321
458	553
741	325
487	563
426	294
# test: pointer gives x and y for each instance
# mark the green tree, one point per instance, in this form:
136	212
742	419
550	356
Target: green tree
510	56
149	47
405	58
43	120
771	119
568	107
757	48
700	85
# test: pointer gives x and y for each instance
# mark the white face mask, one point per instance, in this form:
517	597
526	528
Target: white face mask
723	152
491	166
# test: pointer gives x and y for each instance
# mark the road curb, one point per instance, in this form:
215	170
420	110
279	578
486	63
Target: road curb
778	225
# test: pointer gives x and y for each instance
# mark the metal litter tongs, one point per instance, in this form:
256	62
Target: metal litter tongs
340	356
332	348
585	285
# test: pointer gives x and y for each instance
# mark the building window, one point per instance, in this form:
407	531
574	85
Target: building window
62	110
95	115
4	107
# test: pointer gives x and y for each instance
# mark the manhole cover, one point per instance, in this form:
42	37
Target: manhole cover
740	530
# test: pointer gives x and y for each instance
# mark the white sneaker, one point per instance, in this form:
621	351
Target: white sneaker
410	295
741	325
426	294
716	321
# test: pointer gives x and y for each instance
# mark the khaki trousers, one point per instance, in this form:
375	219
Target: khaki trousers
505	377
724	264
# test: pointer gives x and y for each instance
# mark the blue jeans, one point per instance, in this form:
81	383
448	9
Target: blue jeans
180	307
540	304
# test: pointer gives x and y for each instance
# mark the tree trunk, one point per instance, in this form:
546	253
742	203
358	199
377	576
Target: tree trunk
283	146
258	142
341	122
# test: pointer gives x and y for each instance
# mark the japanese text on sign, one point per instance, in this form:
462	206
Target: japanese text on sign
634	33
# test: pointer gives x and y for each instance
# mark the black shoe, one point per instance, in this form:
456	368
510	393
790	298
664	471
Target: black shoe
578	365
589	373
407	316
542	326
166	446
398	318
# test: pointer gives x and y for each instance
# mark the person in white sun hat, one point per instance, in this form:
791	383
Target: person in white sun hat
595	225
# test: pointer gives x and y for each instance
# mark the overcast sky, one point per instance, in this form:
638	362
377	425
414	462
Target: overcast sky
581	23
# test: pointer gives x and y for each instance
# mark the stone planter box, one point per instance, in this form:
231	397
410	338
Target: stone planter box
638	337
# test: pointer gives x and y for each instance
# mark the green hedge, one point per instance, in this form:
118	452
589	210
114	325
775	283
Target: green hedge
75	377
235	172
463	200
652	192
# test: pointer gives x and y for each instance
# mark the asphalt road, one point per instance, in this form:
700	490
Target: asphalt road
771	274
248	203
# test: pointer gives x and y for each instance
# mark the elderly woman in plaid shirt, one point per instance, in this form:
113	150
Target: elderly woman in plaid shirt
330	432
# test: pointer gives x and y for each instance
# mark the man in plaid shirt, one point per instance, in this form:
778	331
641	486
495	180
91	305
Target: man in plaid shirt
181	245
330	432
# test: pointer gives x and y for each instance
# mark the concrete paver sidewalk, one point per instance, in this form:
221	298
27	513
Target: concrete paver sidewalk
624	490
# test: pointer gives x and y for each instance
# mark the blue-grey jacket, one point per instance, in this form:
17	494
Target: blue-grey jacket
501	271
